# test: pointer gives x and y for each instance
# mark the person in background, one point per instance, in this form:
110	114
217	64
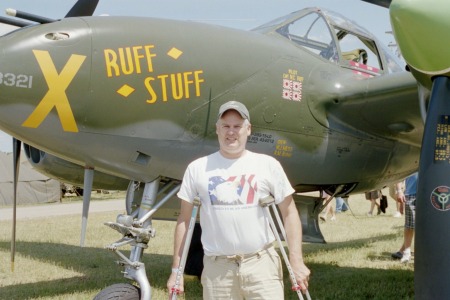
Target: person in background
408	198
373	197
341	205
394	189
328	210
240	260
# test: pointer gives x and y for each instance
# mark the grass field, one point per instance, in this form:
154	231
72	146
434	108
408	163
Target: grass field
355	262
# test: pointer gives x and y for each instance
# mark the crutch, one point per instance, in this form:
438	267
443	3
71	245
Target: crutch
176	289
265	203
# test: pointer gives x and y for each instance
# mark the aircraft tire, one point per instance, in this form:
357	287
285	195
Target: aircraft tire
123	291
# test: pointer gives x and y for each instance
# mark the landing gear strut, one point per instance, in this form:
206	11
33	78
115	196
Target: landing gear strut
136	229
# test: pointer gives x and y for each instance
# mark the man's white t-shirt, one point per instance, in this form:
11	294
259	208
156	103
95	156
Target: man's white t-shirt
231	218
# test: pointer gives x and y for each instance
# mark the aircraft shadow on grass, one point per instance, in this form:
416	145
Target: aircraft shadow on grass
96	269
98	272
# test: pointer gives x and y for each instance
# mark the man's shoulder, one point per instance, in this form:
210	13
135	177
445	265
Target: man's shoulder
199	159
203	159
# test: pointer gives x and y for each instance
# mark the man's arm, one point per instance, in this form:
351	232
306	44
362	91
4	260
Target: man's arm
179	239
293	228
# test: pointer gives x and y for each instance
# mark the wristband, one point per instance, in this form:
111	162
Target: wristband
175	270
398	191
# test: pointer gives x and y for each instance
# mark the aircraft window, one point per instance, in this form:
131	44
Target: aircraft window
311	32
393	62
275	22
337	39
358	51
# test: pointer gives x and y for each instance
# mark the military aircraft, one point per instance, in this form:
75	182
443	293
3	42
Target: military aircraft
95	96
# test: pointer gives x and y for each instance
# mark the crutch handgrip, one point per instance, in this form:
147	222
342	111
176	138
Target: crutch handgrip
197	201
266	201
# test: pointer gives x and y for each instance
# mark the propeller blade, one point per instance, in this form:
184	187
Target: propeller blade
87	190
83	8
383	3
16	163
433	198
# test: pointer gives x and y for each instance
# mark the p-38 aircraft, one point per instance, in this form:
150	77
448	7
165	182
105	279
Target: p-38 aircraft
100	103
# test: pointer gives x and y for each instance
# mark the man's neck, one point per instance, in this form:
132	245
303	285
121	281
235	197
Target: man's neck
228	155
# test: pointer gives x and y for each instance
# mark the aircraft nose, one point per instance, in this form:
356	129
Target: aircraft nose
17	81
40	66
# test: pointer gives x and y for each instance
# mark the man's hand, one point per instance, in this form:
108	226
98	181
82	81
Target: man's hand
293	227
302	273
172	282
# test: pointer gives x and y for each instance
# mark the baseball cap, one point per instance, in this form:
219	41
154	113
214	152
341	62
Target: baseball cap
237	106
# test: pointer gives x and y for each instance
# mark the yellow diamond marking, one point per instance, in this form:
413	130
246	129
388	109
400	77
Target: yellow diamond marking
174	53
125	90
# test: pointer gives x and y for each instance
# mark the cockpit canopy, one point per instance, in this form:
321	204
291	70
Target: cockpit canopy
335	38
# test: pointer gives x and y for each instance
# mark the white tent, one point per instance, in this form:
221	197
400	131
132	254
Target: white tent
33	187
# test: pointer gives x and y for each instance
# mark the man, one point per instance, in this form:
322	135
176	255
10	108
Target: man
240	261
408	197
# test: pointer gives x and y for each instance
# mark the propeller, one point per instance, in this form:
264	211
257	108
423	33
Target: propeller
421	32
87	190
16	163
433	198
80	8
83	8
383	3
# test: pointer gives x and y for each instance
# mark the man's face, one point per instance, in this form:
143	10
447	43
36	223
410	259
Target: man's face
232	131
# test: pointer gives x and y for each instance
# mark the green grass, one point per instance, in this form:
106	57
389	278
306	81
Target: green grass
354	264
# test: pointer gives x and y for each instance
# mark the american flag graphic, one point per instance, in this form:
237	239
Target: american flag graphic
234	190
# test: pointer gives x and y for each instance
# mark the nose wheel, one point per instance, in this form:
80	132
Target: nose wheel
123	291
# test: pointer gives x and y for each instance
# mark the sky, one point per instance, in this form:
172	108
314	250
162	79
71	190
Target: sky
241	14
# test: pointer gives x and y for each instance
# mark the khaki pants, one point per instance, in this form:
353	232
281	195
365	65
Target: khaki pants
256	276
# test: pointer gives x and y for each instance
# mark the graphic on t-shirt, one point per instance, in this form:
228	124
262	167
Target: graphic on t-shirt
234	190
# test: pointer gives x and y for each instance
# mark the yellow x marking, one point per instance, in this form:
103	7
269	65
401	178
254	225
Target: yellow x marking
56	94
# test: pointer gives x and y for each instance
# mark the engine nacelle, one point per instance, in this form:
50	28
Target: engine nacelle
68	172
